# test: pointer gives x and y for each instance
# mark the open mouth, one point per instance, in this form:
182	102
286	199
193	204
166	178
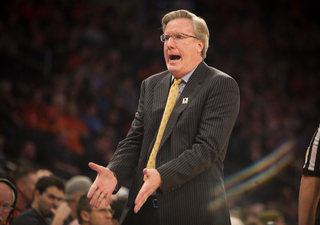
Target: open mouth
174	57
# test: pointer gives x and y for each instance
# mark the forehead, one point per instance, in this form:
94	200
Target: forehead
5	194
182	25
33	177
54	191
103	205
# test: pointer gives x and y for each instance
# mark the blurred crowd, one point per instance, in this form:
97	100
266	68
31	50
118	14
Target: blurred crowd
41	197
71	70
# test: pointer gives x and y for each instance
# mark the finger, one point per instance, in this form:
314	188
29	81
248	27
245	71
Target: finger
141	198
92	190
95	197
139	204
108	198
99	200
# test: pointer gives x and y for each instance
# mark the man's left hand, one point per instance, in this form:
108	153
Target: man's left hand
152	182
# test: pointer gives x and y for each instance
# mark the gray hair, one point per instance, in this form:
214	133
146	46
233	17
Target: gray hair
200	27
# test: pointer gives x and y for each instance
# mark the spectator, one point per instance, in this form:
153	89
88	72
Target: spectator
47	204
27	155
117	206
91	118
90	215
33	112
43	172
8	196
59	159
3	156
75	187
76	130
102	150
25	182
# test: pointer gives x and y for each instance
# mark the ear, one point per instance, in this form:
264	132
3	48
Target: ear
36	195
76	197
200	45
20	186
85	216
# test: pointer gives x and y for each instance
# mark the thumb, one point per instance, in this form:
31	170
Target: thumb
146	172
95	167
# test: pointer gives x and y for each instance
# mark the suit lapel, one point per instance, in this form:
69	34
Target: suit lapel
160	96
190	90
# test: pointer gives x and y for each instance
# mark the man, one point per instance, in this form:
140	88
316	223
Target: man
47	204
25	179
75	187
186	149
8	197
89	215
309	194
117	206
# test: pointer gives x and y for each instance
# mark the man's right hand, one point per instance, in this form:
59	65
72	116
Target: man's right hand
103	186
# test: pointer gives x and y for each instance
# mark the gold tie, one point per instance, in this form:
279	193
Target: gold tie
171	101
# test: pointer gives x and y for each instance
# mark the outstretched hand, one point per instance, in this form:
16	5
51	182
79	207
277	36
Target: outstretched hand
103	186
152	182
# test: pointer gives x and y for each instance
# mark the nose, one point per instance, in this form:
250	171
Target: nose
170	42
56	202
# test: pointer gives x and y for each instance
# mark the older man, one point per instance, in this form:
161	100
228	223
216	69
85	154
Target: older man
7	200
179	137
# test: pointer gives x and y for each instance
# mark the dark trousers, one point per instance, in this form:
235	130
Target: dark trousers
147	215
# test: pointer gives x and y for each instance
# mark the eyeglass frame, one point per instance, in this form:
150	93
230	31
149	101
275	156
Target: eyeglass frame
6	208
162	37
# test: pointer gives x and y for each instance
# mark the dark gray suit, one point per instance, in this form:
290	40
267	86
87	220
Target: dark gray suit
190	158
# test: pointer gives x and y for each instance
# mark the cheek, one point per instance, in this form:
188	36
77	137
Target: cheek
166	56
95	219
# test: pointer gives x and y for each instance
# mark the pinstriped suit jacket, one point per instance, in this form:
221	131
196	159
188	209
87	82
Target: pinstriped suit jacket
192	150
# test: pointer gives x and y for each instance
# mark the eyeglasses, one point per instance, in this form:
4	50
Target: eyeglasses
6	208
176	36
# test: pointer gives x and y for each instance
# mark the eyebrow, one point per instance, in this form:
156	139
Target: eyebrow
52	196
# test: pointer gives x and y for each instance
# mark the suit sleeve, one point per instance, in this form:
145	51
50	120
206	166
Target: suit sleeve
218	116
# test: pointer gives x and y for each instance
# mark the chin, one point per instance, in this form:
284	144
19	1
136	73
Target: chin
173	70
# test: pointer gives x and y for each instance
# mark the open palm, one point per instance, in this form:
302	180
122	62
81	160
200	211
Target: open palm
103	186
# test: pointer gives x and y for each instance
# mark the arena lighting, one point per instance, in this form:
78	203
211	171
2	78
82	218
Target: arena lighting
255	175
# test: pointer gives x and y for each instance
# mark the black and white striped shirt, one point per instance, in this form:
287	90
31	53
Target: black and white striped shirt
312	160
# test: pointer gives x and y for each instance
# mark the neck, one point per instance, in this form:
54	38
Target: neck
35	206
21	203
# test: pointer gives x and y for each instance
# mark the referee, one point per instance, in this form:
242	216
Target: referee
310	183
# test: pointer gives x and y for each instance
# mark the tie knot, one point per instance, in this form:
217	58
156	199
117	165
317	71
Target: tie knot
177	81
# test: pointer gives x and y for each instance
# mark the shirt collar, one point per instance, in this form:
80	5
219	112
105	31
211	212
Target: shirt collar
186	77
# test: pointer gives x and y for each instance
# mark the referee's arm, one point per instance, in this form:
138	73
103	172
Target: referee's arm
308	199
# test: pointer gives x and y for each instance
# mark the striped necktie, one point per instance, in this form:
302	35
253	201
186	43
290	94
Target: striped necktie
171	101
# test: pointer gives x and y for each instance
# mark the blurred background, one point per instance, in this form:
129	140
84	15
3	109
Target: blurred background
71	72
